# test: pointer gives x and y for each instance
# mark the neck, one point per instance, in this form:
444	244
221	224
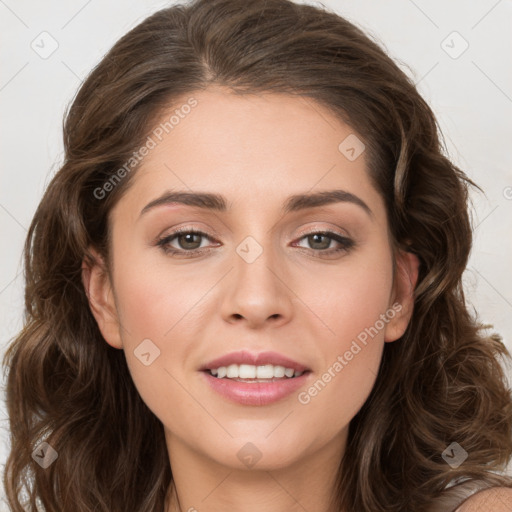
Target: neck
201	484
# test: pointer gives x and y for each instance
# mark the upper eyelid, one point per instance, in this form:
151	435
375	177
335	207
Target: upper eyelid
320	230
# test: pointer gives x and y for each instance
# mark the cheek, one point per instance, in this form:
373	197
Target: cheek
350	298
353	306
155	300
165	309
160	328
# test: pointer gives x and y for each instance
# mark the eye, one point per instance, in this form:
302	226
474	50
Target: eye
188	242
320	241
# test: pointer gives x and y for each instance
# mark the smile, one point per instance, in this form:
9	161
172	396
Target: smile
252	373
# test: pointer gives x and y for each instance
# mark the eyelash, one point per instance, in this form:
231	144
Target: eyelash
346	243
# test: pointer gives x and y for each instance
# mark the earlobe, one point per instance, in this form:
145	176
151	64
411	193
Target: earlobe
406	277
98	289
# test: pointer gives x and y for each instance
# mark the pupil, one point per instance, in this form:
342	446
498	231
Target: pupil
318	236
189	239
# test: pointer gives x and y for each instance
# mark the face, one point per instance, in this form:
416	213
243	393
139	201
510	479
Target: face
298	278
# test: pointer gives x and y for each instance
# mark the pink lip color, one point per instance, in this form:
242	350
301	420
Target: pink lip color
245	357
255	393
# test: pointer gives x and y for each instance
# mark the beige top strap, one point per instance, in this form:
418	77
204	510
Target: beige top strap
453	497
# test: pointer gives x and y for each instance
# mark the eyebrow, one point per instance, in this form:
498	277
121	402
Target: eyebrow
297	202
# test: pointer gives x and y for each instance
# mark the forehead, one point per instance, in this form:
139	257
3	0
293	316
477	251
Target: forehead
249	128
253	149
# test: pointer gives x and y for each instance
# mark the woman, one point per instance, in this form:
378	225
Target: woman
244	285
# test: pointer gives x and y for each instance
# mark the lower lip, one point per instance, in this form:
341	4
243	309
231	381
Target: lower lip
255	393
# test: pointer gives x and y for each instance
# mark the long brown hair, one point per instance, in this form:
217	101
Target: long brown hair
441	383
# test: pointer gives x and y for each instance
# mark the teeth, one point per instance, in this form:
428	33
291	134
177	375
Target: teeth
249	371
246	371
232	371
265	372
280	371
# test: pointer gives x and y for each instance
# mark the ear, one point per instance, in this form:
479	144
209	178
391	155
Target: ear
402	297
98	289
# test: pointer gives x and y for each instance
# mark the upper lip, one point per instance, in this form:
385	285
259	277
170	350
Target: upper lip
260	359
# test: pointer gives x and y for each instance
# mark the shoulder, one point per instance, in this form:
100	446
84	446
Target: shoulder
497	499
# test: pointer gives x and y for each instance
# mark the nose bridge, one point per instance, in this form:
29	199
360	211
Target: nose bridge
255	265
256	251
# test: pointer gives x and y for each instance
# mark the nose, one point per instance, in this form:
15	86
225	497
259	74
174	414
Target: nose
258	290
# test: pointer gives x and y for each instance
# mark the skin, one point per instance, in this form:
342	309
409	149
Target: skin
256	151
497	499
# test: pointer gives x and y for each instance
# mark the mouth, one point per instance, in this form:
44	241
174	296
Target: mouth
252	373
255	379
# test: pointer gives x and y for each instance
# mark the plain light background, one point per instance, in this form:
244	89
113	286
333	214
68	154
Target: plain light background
457	52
